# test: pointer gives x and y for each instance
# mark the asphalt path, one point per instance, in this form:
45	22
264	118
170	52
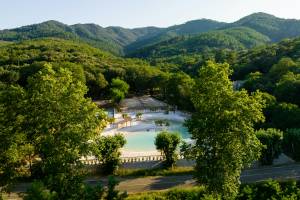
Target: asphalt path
142	184
154	183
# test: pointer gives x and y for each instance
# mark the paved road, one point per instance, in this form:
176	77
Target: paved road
133	185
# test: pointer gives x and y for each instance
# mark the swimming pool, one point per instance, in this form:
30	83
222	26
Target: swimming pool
143	140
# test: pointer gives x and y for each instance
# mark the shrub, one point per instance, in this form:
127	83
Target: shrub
269	190
272	141
291	143
38	191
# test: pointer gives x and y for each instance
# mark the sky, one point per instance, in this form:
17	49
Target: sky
137	13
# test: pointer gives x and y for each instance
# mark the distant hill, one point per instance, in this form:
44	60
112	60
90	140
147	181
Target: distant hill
273	27
237	38
112	39
189	28
252	30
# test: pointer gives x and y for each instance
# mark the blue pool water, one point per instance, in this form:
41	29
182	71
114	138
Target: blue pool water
144	140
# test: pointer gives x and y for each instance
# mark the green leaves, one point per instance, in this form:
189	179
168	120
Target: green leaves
50	120
107	150
167	143
272	141
222	128
119	89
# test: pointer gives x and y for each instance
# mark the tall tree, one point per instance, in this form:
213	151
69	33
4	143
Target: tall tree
60	121
118	90
13	140
107	149
222	128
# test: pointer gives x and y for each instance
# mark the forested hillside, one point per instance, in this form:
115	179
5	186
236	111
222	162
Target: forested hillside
234	38
189	28
93	66
113	39
253	30
273	27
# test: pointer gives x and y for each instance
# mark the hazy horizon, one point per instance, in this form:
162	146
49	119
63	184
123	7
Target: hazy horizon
138	13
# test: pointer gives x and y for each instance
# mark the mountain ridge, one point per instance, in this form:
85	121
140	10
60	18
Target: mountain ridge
121	41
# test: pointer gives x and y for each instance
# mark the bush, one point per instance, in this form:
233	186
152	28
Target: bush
272	145
167	143
38	191
269	190
195	193
291	143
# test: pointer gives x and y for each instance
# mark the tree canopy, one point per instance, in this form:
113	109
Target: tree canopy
223	129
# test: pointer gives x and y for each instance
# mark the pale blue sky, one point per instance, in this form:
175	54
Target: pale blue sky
137	13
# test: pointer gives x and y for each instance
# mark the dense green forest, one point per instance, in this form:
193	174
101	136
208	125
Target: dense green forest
233	38
272	69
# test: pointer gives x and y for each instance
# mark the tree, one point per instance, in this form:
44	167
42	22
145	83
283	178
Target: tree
14	139
222	128
179	90
283	116
138	116
60	122
167	143
291	143
272	141
118	90
288	88
281	68
107	150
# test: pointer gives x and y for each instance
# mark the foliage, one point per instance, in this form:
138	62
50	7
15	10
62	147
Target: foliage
112	193
222	128
167	143
270	190
56	122
118	90
272	144
139	115
282	116
232	38
174	194
154	172
38	191
92	66
271	26
291	143
162	122
14	140
107	150
257	191
253	30
288	87
179	89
